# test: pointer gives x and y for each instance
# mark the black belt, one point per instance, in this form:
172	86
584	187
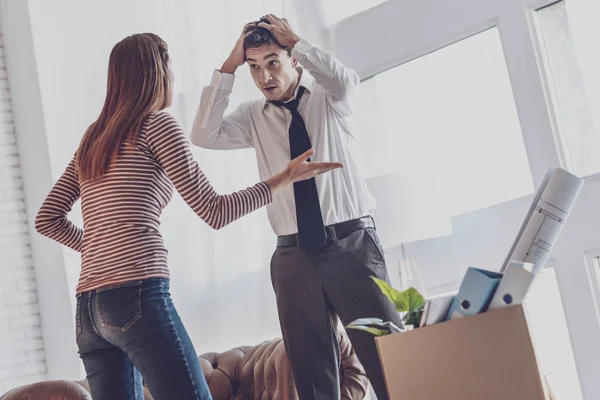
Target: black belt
333	232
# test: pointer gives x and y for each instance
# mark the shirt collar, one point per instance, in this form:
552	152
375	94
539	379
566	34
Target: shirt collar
306	80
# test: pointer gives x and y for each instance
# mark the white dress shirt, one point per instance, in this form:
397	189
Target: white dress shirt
327	109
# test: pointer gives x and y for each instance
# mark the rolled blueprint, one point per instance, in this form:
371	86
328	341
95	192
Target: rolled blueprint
545	218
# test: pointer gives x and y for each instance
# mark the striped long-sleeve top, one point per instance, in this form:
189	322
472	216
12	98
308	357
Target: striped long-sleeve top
120	240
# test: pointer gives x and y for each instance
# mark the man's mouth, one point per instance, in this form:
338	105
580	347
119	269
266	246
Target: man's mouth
270	89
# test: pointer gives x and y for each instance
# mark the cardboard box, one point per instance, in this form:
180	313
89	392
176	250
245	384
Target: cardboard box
489	356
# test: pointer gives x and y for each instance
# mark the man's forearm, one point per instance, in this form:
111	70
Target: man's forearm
229	67
211	128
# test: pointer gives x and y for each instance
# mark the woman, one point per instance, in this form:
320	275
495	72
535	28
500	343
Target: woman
127	327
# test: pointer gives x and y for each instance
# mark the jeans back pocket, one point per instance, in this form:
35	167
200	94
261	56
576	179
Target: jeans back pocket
119	307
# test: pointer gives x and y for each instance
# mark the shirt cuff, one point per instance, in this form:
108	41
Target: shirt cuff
302	47
222	80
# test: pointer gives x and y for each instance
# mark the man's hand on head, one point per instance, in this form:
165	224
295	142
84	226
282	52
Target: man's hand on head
281	29
238	54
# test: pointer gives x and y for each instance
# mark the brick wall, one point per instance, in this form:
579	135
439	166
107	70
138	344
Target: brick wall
21	346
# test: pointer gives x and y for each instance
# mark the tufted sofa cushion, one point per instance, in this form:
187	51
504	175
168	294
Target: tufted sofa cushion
261	372
222	372
48	390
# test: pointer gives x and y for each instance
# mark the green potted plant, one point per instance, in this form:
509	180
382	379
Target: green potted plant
410	302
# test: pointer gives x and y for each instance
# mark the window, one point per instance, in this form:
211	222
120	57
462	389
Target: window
450	119
568	35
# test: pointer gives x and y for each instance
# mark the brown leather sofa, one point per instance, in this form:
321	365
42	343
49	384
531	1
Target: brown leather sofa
244	373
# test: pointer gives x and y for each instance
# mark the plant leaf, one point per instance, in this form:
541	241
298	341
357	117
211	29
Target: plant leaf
395	296
374	331
413	317
414	299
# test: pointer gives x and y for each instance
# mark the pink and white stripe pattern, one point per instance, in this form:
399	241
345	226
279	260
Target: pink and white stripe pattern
120	241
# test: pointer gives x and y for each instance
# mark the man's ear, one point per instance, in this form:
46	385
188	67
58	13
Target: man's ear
294	62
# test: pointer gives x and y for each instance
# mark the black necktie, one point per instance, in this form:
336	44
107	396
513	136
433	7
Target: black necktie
311	231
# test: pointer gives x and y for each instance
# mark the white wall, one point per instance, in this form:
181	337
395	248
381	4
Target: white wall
57	322
22	358
400	30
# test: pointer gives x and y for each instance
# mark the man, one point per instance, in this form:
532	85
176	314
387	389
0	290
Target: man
327	246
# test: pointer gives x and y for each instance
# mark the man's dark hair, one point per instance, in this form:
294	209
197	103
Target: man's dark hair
257	36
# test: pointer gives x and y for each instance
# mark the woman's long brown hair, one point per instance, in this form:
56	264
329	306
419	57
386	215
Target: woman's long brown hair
139	82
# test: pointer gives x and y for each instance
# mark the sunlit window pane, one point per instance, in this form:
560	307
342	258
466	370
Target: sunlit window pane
449	115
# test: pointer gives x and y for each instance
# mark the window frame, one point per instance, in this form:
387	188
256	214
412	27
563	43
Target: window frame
560	133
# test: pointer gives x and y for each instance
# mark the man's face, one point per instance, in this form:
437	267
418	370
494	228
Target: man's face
273	71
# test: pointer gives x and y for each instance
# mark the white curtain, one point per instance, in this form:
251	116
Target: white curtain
220	279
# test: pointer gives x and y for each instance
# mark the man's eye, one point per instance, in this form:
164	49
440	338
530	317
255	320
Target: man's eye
253	66
273	63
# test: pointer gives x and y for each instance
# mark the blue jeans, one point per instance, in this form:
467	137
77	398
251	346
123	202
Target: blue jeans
130	332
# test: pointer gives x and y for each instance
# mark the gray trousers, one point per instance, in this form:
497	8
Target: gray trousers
312	291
